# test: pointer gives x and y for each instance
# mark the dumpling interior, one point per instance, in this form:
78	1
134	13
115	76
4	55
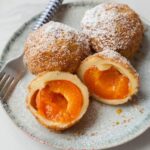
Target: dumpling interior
108	84
59	101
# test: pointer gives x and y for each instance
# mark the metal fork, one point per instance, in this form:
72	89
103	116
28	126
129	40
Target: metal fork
15	69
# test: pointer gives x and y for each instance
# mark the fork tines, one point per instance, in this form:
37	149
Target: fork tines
6	81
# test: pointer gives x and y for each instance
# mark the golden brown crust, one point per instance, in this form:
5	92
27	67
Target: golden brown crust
113	26
55	47
40	82
112	58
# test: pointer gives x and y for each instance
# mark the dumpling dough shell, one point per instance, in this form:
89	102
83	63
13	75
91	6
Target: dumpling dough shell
40	82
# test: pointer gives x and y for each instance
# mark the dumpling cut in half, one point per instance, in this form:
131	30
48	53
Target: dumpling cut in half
109	77
57	99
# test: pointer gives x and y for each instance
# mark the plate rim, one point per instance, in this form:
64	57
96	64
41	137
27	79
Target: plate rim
18	32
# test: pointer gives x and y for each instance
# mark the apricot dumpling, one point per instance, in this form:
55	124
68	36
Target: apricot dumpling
57	99
109	77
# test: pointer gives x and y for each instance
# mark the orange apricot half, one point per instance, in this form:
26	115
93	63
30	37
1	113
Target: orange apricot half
109	84
57	99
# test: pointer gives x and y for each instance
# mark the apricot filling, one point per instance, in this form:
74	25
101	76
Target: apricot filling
107	84
59	100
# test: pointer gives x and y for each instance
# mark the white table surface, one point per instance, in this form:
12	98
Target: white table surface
14	13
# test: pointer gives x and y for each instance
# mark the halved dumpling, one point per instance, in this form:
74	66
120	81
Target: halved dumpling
109	77
57	99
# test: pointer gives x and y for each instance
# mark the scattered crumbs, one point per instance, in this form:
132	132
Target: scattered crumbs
141	110
68	138
79	133
117	122
119	111
137	106
93	134
125	121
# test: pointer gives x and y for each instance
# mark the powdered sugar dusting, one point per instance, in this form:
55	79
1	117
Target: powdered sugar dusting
61	31
97	129
113	55
55	46
50	32
111	25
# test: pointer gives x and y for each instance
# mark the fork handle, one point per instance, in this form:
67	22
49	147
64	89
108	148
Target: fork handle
48	13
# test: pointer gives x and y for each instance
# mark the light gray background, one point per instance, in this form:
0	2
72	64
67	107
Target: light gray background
13	13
